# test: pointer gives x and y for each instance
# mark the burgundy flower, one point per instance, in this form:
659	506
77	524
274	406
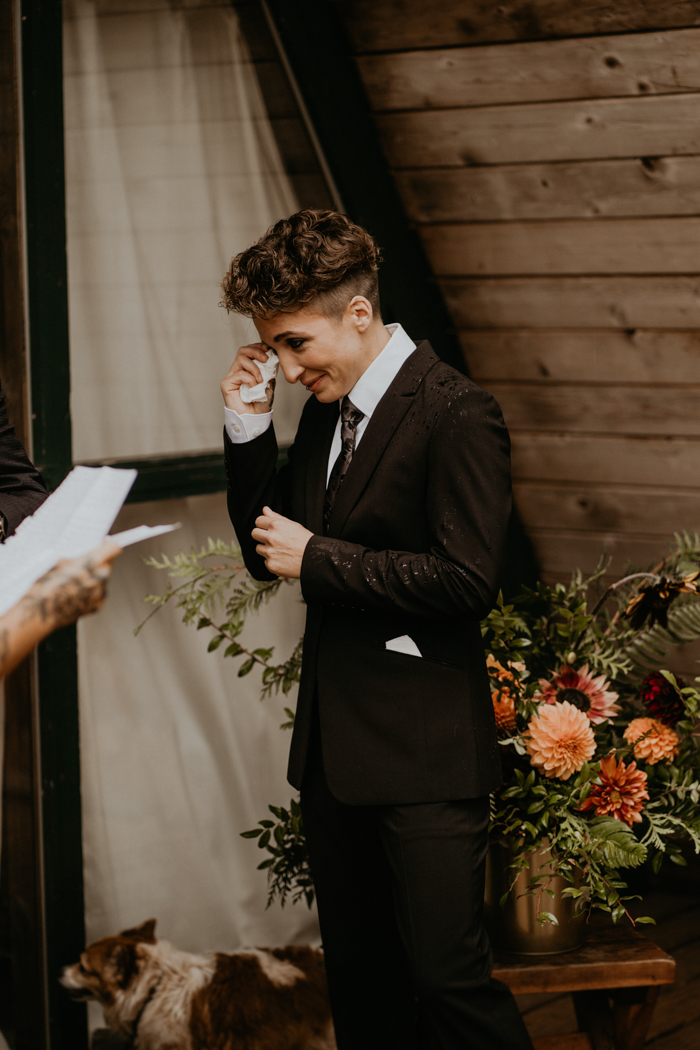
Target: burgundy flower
661	699
653	599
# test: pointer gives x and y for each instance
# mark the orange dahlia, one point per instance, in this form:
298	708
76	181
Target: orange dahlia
620	793
504	710
659	743
503	674
581	689
560	739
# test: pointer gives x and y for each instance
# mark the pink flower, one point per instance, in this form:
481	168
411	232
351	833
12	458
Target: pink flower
581	689
559	740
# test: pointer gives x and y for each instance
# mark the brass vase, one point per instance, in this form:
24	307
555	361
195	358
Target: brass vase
515	927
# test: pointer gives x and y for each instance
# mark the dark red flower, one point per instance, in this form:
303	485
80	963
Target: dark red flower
661	699
653	599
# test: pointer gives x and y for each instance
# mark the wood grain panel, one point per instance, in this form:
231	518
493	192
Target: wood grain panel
647	510
546	131
647	186
595	67
559	553
600	409
574	302
592	246
394	25
595	459
594	356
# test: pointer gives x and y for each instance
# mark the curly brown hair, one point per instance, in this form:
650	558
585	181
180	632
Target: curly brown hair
314	256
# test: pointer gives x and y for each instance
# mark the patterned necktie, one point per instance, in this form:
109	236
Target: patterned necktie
350	418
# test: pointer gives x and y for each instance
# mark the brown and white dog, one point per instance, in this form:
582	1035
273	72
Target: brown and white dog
165	999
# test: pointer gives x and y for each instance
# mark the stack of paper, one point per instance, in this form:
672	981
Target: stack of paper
73	520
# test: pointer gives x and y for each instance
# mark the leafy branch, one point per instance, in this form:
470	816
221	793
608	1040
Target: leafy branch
204	593
287	866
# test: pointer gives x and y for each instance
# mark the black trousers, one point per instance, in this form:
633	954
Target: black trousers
400	899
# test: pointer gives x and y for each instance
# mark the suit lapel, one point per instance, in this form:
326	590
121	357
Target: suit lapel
384	423
317	466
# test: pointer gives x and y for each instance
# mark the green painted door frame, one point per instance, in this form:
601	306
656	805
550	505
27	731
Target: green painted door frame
45	232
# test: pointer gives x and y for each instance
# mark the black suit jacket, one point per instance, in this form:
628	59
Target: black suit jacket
22	487
415	546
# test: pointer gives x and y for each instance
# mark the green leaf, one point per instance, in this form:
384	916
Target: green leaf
264	839
215	643
246	667
646	919
233	649
251	834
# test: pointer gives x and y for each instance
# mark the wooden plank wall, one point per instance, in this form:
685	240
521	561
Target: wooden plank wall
549	153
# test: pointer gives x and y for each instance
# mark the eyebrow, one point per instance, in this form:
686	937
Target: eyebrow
285	335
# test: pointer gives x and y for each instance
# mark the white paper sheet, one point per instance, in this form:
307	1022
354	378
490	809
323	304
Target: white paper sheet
142	532
73	520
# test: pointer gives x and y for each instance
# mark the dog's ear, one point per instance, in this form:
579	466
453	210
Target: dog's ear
126	963
144	932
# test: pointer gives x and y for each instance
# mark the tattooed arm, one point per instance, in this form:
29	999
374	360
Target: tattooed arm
71	589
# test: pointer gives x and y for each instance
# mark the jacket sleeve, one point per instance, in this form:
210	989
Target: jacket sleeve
22	488
253	483
468	500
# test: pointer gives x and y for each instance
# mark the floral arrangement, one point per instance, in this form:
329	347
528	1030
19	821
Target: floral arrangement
600	745
600	748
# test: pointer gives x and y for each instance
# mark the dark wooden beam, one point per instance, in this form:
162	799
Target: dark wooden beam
22	1002
314	42
22	977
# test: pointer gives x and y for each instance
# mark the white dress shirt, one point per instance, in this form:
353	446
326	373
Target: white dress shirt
366	394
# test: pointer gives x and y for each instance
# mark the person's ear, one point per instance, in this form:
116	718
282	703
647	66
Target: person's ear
360	311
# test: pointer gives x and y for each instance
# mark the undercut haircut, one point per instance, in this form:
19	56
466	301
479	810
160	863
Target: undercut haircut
313	257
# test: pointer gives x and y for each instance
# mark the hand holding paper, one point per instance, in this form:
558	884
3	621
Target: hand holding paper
72	522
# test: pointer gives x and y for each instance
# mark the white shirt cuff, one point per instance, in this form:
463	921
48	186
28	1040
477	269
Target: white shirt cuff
246	427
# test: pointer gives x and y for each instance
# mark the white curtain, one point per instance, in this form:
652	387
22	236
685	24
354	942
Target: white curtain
171	168
179	756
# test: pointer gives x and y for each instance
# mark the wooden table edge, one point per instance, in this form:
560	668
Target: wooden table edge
595	976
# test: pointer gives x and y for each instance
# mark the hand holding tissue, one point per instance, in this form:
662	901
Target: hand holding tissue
269	372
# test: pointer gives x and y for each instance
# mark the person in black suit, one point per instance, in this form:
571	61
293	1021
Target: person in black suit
22	487
392	511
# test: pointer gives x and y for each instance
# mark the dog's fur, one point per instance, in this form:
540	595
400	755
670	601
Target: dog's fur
165	999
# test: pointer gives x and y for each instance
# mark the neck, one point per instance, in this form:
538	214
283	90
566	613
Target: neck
374	340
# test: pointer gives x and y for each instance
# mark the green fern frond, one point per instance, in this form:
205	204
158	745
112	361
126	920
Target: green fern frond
616	844
651	648
250	595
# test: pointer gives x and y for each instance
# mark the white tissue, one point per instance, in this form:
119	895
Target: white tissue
269	371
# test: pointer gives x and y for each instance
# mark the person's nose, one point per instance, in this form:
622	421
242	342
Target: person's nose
292	372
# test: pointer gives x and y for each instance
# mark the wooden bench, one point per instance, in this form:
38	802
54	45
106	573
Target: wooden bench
616	965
